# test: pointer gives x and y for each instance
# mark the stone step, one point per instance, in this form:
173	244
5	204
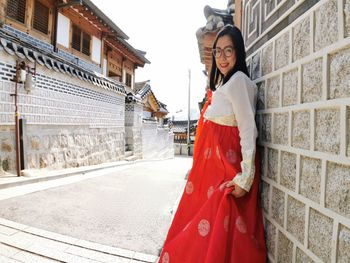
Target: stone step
131	158
128	153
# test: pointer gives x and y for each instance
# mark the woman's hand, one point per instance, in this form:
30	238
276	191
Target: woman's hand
237	191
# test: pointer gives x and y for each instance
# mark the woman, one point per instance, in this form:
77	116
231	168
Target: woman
219	218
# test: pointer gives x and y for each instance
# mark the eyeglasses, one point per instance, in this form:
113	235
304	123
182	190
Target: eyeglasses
227	51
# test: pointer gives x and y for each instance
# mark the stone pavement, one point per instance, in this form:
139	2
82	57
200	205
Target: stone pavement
22	243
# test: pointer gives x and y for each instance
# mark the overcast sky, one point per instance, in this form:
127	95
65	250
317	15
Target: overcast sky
166	30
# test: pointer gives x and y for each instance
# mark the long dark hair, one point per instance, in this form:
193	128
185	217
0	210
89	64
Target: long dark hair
237	39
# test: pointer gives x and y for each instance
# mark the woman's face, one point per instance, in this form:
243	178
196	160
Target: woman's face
225	54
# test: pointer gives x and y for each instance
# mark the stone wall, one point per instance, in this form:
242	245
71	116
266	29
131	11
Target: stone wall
299	56
69	122
133	126
157	142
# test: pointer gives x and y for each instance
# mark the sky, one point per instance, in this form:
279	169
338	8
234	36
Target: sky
166	31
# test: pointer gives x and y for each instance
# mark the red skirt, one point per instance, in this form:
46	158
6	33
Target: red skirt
210	224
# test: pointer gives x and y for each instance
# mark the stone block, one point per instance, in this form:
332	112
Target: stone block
256	72
310	178
270	234
265	196
35	143
301	39
326	25
273	92
301	257
281	128
343	244
266	127
327	132
284	249
348	131
320	235
261	95
338	188
282	51
7	145
339	78
347	17
296	218
301	129
290	88
272	164
277	208
311	84
288	170
266	59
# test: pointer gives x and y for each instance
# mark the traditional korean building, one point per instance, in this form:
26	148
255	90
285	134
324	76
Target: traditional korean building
64	71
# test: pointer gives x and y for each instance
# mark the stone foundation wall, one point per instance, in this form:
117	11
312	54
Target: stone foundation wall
299	56
133	126
69	122
157	142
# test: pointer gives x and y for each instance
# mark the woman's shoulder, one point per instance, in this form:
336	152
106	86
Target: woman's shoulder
241	78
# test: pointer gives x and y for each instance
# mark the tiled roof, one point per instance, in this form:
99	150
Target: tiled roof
25	51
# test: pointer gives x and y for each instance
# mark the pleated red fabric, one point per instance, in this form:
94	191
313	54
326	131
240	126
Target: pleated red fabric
210	224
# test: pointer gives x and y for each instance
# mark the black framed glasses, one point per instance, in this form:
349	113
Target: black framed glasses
227	51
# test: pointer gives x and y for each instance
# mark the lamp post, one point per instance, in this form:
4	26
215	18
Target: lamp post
189	114
24	75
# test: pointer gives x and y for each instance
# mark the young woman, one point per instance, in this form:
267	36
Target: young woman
219	218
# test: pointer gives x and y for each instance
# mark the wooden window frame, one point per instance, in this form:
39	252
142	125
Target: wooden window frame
27	26
80	52
49	22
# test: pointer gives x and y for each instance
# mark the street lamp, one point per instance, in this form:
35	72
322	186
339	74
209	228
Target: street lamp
24	74
189	114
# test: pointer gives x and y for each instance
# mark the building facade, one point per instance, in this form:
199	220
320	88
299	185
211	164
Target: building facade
81	64
298	54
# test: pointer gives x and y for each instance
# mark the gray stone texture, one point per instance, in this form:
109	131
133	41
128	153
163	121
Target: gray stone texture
296	218
266	59
265	196
270	233
301	39
327	130
285	249
343	244
348	131
290	88
311	85
256	72
277	208
272	164
266	127
288	170
261	95
310	178
282	51
347	17
326	25
273	92
301	257
281	128
320	235
73	147
338	188
301	129
339	78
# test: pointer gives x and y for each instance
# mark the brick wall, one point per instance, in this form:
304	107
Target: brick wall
299	56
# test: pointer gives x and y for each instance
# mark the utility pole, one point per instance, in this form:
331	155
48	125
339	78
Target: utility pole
189	114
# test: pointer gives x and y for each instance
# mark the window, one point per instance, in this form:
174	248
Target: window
80	40
128	80
16	9
41	17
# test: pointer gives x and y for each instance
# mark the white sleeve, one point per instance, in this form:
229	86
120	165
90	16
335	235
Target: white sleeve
242	94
